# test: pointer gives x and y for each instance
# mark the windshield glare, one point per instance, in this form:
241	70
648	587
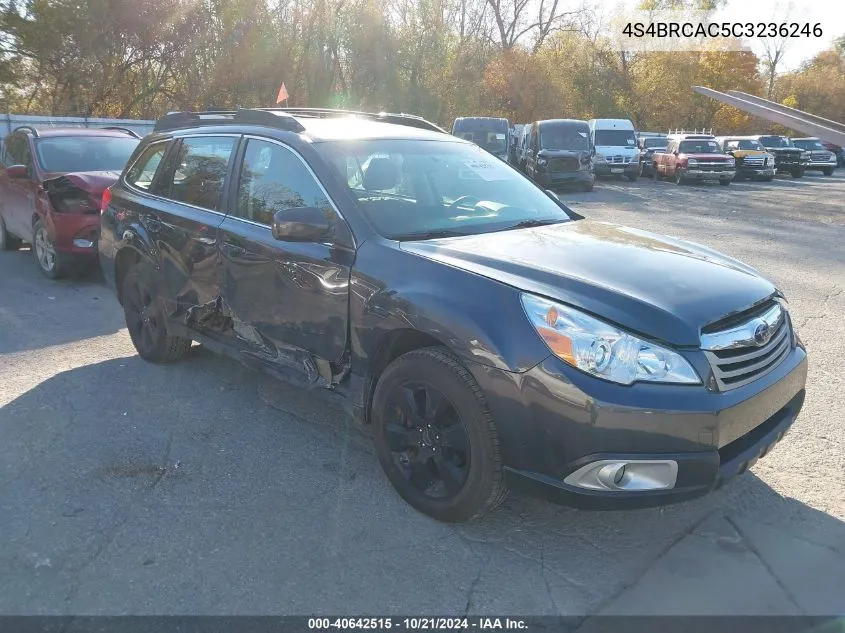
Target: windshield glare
425	189
84	153
699	147
616	138
564	137
774	141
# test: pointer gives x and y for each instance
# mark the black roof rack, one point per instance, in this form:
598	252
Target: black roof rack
122	129
410	120
282	118
27	128
176	120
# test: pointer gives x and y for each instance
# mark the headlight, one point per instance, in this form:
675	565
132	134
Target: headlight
770	158
692	162
806	155
831	157
541	161
601	349
732	161
599	158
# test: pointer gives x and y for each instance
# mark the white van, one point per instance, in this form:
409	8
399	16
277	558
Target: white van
615	141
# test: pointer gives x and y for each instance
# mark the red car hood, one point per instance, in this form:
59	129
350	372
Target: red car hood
94	182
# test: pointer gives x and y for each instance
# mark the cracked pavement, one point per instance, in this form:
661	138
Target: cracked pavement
204	488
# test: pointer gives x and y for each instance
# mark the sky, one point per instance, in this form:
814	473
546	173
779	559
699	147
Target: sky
830	14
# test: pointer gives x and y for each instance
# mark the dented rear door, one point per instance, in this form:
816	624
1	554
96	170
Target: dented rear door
287	301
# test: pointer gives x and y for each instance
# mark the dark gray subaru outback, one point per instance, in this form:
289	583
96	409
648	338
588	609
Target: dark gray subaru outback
485	335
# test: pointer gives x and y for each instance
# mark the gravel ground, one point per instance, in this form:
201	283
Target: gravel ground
201	487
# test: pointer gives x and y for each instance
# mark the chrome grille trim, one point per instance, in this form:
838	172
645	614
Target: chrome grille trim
737	358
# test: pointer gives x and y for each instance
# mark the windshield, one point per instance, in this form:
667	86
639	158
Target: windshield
426	189
774	141
616	138
808	144
492	141
746	144
84	153
564	137
649	143
702	146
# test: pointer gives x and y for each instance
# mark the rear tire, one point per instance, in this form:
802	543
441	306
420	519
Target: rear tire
145	318
435	437
724	183
51	263
8	242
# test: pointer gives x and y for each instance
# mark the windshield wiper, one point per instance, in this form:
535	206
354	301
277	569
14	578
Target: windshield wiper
428	235
527	224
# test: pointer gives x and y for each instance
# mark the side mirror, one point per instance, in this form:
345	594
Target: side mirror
18	171
300	224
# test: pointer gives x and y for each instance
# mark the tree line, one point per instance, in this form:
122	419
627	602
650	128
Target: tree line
521	59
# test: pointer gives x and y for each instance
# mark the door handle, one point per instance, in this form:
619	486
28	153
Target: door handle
152	222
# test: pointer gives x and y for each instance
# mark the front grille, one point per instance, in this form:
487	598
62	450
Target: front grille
712	166
737	359
618	159
564	164
753	161
787	159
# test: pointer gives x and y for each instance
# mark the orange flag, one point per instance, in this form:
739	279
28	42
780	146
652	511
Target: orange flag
283	94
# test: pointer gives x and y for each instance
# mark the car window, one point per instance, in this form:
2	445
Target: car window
699	147
414	190
273	178
564	137
62	154
200	171
141	174
615	138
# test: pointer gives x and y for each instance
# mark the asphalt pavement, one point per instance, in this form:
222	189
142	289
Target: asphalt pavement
205	488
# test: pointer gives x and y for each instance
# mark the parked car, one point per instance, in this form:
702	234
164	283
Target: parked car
693	157
820	158
522	148
752	159
648	146
488	133
838	151
560	153
788	158
615	141
51	183
513	143
486	335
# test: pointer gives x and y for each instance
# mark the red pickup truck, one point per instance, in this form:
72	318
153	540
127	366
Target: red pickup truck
693	157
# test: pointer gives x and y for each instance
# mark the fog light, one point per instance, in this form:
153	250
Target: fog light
628	475
83	243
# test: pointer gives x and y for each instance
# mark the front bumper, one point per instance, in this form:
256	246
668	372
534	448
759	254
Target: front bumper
697	174
755	172
74	233
613	169
553	419
821	165
560	179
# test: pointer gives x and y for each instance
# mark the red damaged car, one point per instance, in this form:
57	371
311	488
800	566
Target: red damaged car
51	184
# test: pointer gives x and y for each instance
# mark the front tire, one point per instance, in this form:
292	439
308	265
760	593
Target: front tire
724	183
679	178
828	171
146	321
632	177
8	242
797	173
51	263
435	437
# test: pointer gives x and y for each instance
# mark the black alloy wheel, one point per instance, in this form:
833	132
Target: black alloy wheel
435	437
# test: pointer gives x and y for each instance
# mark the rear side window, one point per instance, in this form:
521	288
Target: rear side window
142	173
273	178
200	171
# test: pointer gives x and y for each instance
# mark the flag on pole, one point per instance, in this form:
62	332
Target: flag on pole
283	94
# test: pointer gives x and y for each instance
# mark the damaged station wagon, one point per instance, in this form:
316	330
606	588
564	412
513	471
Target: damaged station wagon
484	334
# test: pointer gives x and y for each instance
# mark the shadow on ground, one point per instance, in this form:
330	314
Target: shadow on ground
205	488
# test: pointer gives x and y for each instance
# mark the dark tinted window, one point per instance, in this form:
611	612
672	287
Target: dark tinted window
564	136
774	141
654	142
273	178
808	144
141	174
84	153
616	138
702	146
200	170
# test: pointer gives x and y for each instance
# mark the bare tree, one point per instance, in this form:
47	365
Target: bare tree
514	19
774	48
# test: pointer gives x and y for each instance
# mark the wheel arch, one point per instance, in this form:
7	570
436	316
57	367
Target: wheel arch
127	257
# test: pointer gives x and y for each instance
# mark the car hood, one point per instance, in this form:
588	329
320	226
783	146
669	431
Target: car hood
742	153
89	181
612	150
706	156
562	153
784	150
665	288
